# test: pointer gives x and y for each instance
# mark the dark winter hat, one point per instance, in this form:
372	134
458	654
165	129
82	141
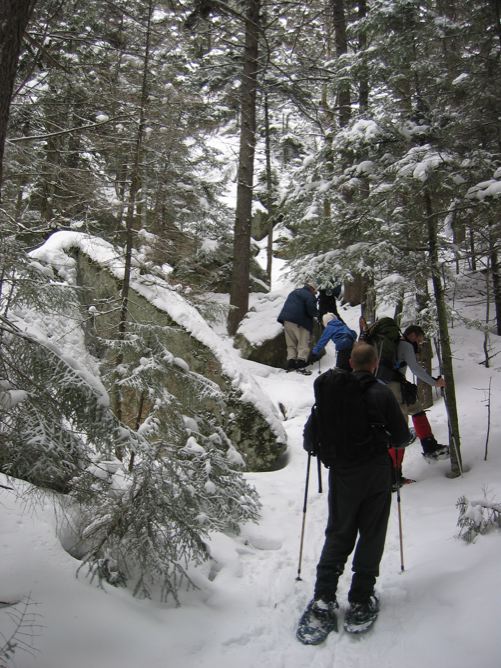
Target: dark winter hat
414	329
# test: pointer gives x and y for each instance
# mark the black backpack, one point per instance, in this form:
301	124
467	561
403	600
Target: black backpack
340	430
384	334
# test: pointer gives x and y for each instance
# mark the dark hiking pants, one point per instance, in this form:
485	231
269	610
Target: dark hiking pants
359	505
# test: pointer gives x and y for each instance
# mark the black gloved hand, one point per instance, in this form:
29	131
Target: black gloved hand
313	358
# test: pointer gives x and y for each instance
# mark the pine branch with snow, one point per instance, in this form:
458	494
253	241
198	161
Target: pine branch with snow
150	515
154	521
477	518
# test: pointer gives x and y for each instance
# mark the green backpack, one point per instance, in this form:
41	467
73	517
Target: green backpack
384	334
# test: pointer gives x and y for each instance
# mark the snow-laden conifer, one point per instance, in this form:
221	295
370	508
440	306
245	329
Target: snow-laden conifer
139	519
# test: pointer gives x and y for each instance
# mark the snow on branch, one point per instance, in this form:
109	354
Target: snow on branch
477	518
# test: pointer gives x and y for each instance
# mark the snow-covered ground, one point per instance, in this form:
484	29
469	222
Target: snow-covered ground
441	612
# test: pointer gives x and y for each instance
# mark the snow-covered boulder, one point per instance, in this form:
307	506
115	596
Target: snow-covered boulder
260	337
204	379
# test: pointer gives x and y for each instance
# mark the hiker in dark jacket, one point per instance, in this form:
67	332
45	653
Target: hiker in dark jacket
341	336
297	314
359	504
327	301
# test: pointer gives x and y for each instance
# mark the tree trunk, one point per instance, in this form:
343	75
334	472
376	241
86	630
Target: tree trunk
496	7
487	313
472	255
353	291
130	217
368	304
496	286
445	344
269	191
239	292
363	82
14	17
341	39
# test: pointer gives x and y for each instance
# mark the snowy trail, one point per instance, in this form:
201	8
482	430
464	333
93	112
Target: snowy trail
423	618
442	612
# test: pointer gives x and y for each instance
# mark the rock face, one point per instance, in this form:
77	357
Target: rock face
270	351
260	337
201	389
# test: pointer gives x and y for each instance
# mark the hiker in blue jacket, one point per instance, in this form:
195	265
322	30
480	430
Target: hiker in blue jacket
342	337
297	317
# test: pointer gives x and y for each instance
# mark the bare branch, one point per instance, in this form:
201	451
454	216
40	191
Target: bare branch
68	130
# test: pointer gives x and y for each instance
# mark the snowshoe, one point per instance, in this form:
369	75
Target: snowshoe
439	453
317	621
361	616
303	371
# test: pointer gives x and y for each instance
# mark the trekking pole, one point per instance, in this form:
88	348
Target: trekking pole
319	370
400	533
319	468
304	517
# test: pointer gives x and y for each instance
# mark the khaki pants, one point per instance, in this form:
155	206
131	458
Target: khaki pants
297	340
407	409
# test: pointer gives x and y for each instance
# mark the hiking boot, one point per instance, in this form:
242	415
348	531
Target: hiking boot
440	452
301	367
291	365
361	616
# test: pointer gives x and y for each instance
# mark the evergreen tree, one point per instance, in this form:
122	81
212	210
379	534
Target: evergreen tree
14	17
81	142
139	520
144	518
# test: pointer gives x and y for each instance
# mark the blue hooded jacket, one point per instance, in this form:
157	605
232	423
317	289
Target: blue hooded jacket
340	334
